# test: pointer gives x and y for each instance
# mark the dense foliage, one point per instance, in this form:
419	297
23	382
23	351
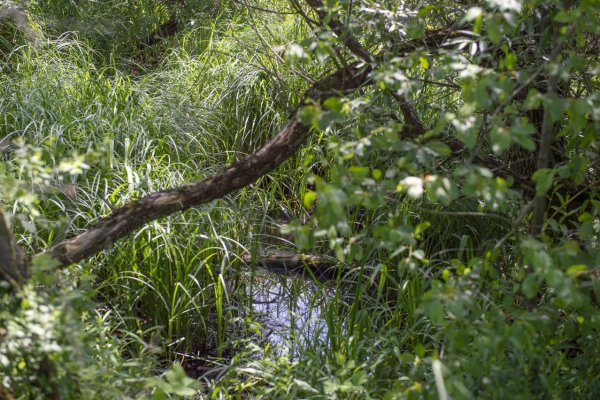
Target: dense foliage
458	190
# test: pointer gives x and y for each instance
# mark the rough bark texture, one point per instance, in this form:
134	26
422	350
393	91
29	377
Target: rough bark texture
14	263
285	144
413	126
163	31
543	161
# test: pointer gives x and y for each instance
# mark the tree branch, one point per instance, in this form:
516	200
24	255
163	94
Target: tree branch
543	159
342	33
413	125
322	267
137	213
14	263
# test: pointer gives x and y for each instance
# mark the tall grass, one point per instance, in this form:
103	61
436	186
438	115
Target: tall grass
186	120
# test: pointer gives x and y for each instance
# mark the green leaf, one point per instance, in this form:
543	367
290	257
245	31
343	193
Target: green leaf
327	119
308	115
556	107
500	139
420	228
415	28
309	198
521	133
377	174
555	278
439	148
543	178
494	30
334	104
44	263
586	230
43	269
340	358
564	17
420	350
434	310
305	386
530	286
358	172
575	270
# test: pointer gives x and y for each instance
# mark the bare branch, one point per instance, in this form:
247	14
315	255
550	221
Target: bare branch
414	126
543	159
322	267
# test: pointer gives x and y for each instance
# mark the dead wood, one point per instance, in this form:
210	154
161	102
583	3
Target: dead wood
322	267
160	204
286	143
14	262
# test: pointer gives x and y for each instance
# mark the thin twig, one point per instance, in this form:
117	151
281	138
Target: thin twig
522	215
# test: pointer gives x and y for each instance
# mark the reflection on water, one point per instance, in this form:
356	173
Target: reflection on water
288	307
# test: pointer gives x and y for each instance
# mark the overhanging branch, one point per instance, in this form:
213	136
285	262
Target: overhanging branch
414	126
137	213
286	143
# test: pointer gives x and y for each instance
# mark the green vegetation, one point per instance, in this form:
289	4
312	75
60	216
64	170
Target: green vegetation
451	175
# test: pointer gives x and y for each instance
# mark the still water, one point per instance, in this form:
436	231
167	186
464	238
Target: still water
288	307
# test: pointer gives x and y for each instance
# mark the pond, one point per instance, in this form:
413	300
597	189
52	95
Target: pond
289	307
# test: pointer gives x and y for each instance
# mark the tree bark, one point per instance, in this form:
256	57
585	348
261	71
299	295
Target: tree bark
321	267
14	262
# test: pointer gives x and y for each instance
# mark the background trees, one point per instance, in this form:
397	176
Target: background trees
445	154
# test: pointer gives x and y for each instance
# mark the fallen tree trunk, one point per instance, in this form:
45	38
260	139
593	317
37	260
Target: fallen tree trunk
286	143
14	262
321	267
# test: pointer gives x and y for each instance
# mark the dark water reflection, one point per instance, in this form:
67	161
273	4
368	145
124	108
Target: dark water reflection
289	308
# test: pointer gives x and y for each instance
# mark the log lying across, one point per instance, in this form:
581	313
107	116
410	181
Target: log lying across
321	267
